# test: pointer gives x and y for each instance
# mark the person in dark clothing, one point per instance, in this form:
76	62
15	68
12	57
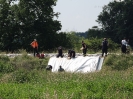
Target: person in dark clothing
60	53
84	48
104	47
49	67
60	69
71	53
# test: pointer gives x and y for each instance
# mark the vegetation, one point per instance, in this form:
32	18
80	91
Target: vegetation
26	20
116	20
25	77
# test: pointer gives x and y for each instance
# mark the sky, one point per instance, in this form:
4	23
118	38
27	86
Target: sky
79	15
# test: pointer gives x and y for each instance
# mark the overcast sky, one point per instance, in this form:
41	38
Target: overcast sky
79	15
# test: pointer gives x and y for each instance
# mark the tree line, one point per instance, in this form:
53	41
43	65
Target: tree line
116	22
28	19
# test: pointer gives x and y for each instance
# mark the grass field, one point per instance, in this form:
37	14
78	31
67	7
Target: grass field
25	77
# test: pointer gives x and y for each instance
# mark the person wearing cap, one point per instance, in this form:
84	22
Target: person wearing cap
34	44
104	47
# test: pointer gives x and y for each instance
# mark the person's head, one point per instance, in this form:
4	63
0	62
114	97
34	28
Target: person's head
35	40
59	47
105	38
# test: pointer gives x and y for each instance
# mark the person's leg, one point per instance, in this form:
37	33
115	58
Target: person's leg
124	49
60	53
84	52
57	55
106	52
34	52
102	52
73	54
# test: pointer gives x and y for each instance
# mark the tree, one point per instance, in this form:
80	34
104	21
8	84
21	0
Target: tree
116	20
29	19
95	32
37	19
8	25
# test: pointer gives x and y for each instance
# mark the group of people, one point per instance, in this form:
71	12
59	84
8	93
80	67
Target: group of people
71	53
124	46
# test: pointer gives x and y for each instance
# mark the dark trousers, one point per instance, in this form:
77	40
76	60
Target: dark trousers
35	51
123	48
104	50
59	55
84	51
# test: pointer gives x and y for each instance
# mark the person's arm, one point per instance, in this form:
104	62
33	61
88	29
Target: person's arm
85	46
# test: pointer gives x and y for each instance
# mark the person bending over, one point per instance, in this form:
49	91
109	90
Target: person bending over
71	53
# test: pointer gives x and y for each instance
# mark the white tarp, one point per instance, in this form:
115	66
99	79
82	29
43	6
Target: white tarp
78	64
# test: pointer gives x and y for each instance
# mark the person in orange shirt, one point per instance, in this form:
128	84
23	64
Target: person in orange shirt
34	44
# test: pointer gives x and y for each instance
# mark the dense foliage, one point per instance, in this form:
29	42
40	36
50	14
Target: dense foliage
116	20
26	20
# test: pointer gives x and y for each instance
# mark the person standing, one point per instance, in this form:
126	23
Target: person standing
104	47
123	45
34	44
60	52
84	48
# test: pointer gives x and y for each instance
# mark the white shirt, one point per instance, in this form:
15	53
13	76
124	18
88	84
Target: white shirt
124	42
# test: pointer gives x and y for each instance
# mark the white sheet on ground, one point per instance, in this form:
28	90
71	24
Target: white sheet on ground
78	64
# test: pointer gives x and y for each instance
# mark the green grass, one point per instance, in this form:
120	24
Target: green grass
114	81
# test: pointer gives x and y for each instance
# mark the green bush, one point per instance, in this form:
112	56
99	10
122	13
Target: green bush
4	59
29	62
119	62
5	66
95	45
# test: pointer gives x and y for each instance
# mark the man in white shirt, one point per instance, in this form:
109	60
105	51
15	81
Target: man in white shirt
123	45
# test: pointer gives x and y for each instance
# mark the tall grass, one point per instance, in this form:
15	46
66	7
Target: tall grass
30	80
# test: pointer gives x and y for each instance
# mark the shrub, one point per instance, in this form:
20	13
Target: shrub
28	62
4	59
119	62
95	45
6	67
